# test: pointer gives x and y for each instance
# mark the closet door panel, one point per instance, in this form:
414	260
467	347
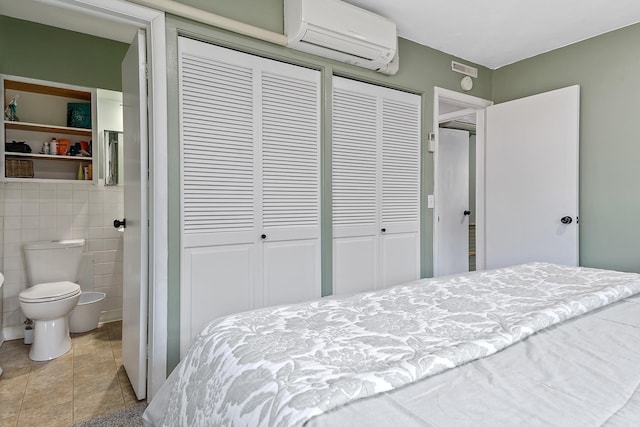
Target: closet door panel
218	281
291	271
217	99
355	266
400	258
290	138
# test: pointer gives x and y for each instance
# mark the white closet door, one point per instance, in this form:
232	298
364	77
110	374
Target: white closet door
250	167
355	165
400	218
290	183
219	199
376	186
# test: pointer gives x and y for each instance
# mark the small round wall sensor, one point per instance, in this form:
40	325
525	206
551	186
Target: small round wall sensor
466	83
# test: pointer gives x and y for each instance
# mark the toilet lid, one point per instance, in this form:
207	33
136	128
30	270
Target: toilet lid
49	292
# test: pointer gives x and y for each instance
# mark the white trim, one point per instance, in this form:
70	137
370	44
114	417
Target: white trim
153	22
470	104
456	114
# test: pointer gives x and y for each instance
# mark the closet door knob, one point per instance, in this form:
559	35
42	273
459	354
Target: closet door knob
384	230
467	213
264	236
117	223
566	220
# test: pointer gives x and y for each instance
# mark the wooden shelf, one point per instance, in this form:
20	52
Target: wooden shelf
35	127
47	90
48	156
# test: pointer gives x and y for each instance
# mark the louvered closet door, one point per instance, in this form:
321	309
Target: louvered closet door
356	191
400	217
376	175
290	100
249	130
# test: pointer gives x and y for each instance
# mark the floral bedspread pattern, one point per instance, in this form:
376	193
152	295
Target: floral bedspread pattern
282	366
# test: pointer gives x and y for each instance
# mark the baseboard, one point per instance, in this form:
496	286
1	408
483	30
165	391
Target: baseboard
13	332
111	316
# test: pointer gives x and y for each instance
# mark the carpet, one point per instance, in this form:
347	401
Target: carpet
128	417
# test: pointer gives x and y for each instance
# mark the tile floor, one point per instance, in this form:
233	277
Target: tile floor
87	382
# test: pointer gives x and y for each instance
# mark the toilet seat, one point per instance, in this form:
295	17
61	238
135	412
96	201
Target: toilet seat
48	292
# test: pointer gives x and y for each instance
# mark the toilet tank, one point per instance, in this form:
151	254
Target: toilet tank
53	261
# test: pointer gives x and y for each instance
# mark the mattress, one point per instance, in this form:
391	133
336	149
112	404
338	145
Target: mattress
377	357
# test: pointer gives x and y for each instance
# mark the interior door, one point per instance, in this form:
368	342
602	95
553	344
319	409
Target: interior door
531	181
135	283
453	202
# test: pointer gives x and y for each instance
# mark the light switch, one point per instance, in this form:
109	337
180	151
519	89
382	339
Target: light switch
431	201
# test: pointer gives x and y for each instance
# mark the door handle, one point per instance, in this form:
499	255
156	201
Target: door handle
263	236
566	220
384	230
117	223
467	213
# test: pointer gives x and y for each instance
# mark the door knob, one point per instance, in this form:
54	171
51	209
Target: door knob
384	230
467	212
566	220
117	223
263	236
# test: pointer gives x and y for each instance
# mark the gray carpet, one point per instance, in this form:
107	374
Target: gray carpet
128	417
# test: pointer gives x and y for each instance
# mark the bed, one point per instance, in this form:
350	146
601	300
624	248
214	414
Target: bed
535	344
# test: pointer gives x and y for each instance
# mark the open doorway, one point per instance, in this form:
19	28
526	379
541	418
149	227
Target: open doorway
120	21
458	182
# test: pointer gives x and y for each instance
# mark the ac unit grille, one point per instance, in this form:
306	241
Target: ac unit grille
336	50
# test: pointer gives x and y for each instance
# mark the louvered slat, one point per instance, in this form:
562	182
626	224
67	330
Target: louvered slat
354	158
400	161
217	136
290	152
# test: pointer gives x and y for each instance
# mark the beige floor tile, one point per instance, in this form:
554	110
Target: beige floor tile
9	422
13	382
51	416
87	382
10	407
14	354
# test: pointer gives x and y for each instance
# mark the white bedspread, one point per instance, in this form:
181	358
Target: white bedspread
285	365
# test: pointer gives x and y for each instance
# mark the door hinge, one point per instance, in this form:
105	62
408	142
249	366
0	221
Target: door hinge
147	352
146	71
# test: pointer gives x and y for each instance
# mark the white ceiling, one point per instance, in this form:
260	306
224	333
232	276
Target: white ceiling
495	33
492	33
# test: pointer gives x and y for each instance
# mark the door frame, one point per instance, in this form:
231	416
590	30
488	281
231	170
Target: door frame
153	22
469	104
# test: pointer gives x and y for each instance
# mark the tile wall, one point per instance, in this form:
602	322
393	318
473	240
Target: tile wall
48	211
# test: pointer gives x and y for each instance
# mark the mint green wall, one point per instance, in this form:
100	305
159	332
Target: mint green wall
42	52
421	68
605	67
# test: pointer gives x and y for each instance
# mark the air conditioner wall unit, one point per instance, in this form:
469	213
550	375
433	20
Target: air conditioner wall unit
338	30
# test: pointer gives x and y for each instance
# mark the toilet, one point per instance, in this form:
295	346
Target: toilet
52	267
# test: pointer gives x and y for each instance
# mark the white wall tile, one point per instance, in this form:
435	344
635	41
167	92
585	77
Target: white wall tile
33	211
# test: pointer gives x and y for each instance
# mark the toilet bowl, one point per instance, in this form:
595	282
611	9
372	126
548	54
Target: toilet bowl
86	315
48	305
52	268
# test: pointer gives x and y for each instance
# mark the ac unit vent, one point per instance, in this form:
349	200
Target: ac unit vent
464	69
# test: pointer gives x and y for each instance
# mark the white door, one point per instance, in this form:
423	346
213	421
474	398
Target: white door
376	186
135	286
250	138
531	181
452	205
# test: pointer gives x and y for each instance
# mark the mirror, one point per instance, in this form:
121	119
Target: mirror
112	145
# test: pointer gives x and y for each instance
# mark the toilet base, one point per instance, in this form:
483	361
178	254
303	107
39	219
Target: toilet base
50	340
